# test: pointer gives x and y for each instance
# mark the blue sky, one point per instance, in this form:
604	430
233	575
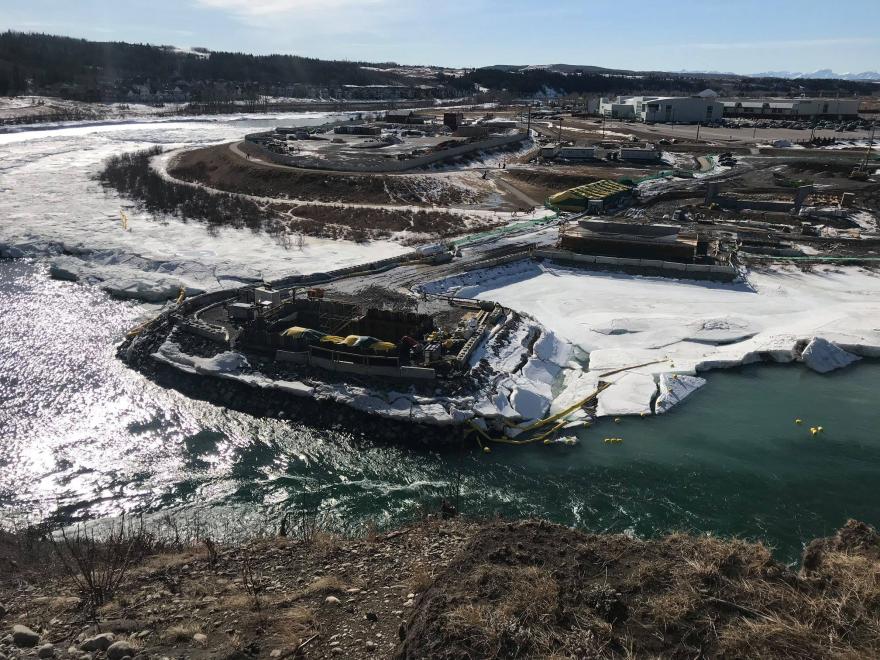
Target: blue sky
744	36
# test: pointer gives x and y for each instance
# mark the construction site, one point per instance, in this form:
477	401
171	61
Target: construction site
458	331
393	142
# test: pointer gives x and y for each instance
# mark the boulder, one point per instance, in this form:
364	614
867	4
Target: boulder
120	649
46	651
100	642
24	637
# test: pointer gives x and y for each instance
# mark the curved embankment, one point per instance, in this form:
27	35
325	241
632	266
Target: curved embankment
223	170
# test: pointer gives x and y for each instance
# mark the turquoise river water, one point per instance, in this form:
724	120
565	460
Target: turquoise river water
83	436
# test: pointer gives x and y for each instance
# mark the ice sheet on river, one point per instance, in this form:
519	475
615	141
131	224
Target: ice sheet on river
52	206
655	327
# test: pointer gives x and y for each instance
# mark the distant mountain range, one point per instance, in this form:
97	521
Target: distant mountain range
821	74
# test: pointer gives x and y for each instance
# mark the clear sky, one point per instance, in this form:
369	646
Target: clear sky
743	36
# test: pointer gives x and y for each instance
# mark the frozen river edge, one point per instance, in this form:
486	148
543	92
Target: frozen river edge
538	372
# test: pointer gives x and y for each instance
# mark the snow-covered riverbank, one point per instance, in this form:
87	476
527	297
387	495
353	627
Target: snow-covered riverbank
50	204
678	328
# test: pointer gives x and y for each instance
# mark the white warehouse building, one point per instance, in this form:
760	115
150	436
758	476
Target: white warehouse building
674	109
706	107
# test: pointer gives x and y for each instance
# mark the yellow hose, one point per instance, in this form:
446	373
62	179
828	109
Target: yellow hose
559	417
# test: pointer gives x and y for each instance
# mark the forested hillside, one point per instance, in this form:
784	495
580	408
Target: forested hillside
48	60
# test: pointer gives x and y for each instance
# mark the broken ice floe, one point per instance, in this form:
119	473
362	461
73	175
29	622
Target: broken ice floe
823	356
674	388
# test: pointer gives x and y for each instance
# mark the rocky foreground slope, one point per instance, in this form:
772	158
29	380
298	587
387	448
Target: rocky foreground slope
451	589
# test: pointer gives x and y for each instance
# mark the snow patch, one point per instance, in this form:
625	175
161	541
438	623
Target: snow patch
631	394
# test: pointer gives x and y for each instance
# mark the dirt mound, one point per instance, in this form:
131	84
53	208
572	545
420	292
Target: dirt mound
533	589
220	168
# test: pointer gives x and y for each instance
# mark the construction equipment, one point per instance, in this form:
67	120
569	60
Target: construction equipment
860	173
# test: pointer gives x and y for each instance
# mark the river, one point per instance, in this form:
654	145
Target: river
82	436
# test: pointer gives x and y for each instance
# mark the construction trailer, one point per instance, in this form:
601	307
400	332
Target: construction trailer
646	152
472	131
550	151
629	240
597	197
580	153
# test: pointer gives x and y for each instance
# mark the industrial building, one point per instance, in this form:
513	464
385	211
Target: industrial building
621	239
671	109
706	108
597	197
404	118
792	108
359	129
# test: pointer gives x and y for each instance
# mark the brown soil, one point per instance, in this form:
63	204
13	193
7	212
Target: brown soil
459	589
217	167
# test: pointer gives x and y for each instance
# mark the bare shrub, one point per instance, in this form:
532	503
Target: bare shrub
213	555
97	566
252	581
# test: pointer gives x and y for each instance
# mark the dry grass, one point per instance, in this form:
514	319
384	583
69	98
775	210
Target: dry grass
422	578
517	592
513	604
182	632
329	584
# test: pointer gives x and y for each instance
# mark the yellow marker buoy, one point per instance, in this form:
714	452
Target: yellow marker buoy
617	420
798	421
813	430
487	450
819	429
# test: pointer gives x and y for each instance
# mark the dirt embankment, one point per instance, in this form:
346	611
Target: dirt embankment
132	176
219	168
452	589
542	181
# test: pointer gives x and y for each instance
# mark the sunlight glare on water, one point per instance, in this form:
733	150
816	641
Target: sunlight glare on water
81	435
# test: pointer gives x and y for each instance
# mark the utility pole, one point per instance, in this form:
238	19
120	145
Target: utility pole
698	131
559	141
529	125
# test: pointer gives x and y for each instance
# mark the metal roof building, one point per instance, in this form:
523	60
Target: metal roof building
596	196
